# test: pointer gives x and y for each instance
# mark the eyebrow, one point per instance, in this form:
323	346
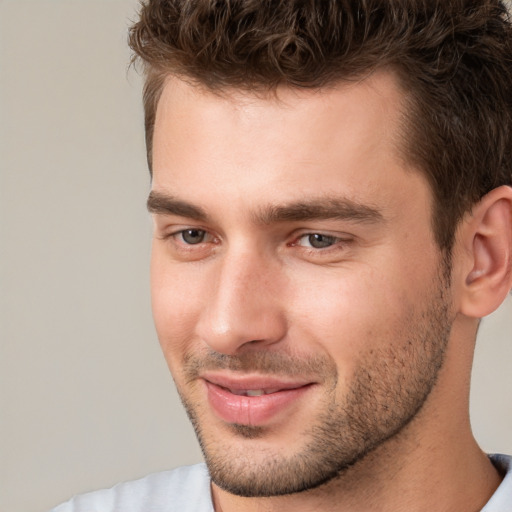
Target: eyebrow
164	204
322	208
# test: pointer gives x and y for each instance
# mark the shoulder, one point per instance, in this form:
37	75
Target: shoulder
185	489
502	498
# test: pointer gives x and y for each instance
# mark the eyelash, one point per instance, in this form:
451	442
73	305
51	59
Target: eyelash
183	232
176	238
336	243
320	237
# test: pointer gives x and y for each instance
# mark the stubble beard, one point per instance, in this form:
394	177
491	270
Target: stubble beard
388	389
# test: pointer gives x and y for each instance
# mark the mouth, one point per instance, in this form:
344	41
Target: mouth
253	392
254	401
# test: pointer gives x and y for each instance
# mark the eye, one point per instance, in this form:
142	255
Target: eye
317	241
192	236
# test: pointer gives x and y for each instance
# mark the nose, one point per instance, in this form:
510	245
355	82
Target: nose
244	306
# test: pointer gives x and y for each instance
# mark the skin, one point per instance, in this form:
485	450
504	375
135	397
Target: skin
367	322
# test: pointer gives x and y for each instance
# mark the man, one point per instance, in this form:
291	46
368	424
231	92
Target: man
332	201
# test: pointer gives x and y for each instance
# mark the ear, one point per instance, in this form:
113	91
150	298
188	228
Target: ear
486	235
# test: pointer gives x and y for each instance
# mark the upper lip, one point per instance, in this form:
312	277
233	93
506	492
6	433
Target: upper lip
267	383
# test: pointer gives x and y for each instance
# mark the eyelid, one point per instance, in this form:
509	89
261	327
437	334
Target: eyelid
332	240
208	237
339	237
170	231
169	227
173	232
340	250
177	232
181	251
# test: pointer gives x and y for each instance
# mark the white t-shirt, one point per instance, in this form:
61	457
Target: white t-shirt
187	489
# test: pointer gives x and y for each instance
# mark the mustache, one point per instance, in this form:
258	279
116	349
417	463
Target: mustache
264	361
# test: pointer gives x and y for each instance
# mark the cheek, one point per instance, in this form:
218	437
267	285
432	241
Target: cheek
176	304
349	313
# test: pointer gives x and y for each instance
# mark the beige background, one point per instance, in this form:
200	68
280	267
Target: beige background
85	397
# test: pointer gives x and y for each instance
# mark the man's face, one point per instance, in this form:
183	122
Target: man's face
297	290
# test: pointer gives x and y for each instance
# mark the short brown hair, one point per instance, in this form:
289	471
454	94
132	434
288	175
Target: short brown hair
453	57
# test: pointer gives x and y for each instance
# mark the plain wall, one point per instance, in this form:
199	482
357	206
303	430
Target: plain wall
86	399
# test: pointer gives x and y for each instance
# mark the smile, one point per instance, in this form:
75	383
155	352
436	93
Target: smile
253	401
252	392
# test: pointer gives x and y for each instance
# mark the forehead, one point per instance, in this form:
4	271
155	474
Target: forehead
343	140
370	106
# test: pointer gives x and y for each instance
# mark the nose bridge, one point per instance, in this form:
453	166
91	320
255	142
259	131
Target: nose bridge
243	306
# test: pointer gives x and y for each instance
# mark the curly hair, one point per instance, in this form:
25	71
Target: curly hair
453	59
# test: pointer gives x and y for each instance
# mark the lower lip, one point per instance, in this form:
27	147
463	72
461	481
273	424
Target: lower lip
251	410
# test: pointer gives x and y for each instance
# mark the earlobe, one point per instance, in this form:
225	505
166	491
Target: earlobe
488	242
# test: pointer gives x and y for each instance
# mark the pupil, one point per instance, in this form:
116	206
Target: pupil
320	241
193	236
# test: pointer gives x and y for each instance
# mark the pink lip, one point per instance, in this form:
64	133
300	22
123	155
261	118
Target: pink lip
252	410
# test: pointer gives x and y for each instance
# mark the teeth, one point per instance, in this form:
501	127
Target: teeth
253	392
